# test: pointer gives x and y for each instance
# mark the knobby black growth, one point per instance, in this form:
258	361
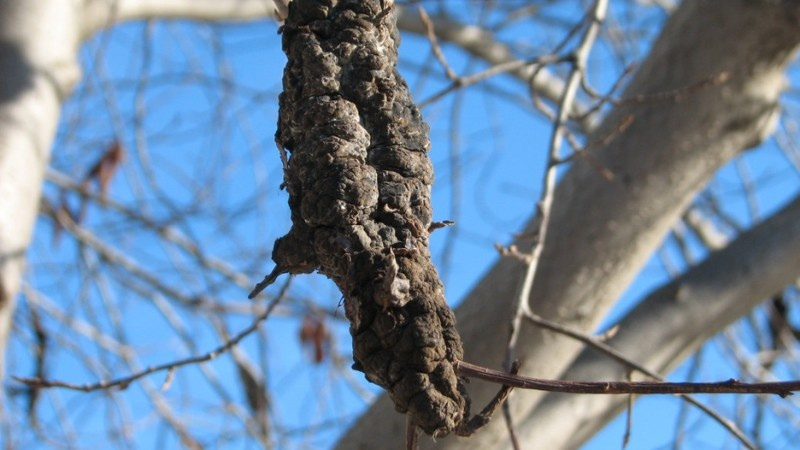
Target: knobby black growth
359	179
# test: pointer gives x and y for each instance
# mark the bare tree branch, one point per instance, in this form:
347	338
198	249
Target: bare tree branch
731	386
482	44
699	304
545	204
603	231
123	382
99	14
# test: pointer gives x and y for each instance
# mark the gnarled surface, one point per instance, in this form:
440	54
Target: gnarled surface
359	189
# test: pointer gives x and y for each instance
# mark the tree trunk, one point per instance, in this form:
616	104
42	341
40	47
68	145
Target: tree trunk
39	41
699	99
38	44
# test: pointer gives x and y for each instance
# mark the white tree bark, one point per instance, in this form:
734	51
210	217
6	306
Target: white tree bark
38	44
602	232
99	14
39	41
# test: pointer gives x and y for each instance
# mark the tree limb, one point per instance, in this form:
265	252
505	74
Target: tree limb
100	14
602	232
675	320
482	44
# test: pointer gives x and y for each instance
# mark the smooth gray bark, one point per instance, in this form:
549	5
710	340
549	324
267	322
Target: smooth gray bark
359	180
602	232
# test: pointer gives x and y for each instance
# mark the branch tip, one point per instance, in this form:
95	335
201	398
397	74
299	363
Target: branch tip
268	280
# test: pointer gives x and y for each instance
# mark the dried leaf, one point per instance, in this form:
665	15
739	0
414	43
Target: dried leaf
105	168
314	335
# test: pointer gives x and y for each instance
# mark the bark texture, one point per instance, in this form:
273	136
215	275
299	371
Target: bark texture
706	298
601	233
359	182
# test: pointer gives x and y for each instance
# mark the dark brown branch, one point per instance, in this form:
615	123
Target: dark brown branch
481	419
358	177
732	386
597	344
268	280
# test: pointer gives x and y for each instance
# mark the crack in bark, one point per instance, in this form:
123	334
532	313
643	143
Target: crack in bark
359	178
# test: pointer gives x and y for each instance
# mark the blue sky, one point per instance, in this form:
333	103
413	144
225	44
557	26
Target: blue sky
201	160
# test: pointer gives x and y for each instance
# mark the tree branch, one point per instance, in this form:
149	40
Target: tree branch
123	382
731	386
100	14
604	231
677	318
482	44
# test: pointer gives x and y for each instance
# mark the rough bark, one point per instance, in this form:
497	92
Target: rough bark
359	182
603	232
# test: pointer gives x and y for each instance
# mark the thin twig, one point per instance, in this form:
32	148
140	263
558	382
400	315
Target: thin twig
435	48
731	386
678	94
512	432
501	68
482	44
549	182
674	95
626	437
480	420
548	189
124	382
454	161
268	280
583	152
600	346
681	426
166	232
412	434
609	97
108	253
